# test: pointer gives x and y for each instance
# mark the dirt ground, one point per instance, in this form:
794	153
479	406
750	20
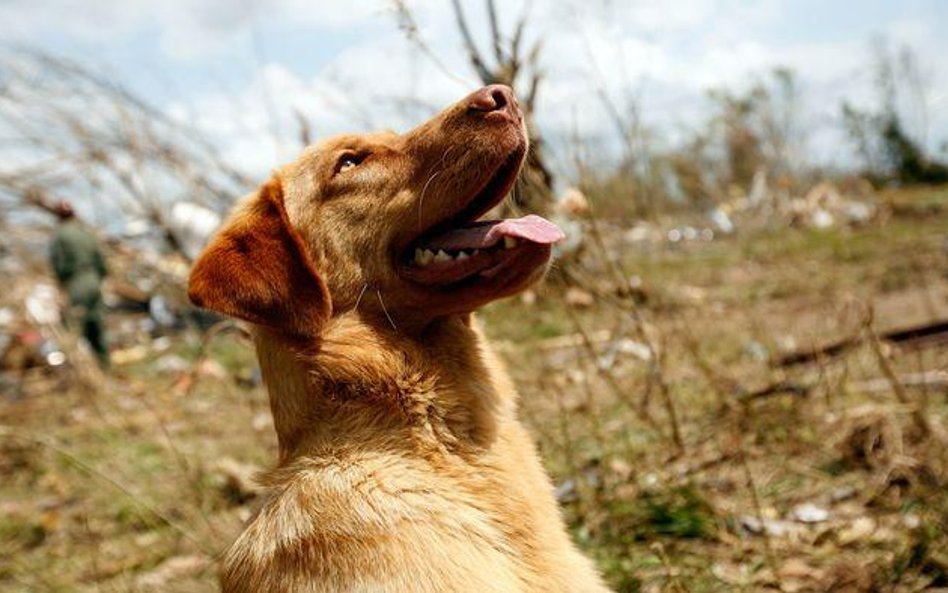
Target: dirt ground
685	458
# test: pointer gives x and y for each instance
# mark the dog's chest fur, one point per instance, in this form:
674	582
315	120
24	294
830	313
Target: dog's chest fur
402	469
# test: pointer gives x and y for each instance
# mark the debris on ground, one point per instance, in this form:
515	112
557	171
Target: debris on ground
809	513
237	480
173	569
579	298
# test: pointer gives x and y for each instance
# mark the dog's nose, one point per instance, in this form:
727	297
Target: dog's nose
496	97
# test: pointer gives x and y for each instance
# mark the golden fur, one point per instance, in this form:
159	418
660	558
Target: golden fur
402	464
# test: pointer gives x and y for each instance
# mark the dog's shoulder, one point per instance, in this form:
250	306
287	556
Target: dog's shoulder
385	521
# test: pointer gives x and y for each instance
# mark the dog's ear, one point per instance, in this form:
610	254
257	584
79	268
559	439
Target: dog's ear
257	269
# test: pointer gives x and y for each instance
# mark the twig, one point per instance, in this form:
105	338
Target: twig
406	22
495	31
777	388
918	415
670	408
755	499
674	583
473	54
923	380
192	478
586	341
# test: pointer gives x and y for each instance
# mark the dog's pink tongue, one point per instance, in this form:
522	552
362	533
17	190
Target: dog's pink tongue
533	228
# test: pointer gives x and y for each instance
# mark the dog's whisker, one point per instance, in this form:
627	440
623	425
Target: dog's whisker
385	310
424	190
359	298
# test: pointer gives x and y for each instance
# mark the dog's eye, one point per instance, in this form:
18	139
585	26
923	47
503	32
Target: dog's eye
348	161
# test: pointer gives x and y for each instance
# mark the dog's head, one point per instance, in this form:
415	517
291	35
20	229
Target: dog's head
383	222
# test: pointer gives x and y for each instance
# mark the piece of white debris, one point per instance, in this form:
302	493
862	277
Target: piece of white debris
809	513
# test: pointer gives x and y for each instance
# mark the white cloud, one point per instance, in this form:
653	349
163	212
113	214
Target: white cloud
666	55
188	29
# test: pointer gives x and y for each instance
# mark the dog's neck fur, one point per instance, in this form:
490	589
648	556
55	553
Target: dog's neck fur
405	380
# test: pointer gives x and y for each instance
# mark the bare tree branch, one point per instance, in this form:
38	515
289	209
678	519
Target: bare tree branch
496	41
406	22
531	99
473	54
76	135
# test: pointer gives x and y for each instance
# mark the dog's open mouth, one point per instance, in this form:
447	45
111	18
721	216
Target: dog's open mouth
466	249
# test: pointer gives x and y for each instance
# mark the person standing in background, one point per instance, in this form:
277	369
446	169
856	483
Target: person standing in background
79	265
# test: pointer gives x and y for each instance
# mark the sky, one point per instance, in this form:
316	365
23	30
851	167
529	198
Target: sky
242	71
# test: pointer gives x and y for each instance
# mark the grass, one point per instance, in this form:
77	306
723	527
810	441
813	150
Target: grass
100	494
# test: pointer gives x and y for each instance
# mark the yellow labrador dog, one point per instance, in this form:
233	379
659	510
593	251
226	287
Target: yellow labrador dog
403	467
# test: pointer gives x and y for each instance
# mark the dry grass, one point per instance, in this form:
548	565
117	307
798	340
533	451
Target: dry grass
122	491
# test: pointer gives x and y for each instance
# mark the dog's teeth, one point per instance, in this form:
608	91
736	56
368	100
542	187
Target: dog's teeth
462	255
475	252
423	257
509	242
442	256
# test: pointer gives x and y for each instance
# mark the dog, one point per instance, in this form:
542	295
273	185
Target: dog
402	464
